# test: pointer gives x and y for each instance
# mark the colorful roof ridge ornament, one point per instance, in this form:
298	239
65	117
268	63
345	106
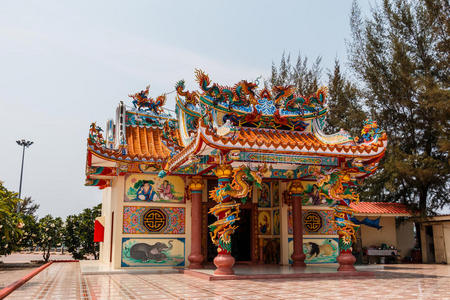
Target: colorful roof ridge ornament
95	135
369	133
142	102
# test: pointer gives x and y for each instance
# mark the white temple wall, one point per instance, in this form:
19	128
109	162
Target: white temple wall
106	212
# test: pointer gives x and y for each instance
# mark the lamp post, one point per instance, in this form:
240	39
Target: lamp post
24	144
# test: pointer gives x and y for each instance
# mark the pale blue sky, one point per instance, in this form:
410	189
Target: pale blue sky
66	64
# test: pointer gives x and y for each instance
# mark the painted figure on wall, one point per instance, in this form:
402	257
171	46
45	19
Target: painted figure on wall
314	195
276	222
151	188
271	251
264	224
275	196
166	191
264	199
145	190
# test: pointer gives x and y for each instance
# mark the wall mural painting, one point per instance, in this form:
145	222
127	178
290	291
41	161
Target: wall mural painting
151	188
264	222
276	222
318	250
271	251
315	196
153	252
264	195
275	194
314	222
144	219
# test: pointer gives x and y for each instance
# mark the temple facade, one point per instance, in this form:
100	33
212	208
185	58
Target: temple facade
238	174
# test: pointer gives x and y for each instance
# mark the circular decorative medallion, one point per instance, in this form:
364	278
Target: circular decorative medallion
312	221
154	220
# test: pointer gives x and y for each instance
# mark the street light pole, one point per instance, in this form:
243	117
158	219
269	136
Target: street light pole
24	144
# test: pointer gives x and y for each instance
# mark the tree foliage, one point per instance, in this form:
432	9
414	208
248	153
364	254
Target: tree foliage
345	109
10	222
306	79
79	233
344	104
400	54
50	234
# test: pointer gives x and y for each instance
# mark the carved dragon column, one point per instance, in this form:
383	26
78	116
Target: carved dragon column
226	212
196	257
346	231
298	257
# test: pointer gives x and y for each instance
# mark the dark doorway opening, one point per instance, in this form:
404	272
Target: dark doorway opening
240	240
430	244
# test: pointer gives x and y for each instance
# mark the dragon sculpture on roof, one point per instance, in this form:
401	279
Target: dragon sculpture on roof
142	101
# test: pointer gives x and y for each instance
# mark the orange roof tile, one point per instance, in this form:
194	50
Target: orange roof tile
143	144
380	208
269	137
146	142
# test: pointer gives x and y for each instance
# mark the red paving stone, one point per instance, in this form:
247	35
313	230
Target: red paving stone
64	281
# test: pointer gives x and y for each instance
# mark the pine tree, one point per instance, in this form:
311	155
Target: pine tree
401	56
305	79
344	104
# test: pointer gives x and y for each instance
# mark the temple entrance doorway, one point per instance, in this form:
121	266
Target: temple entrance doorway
240	240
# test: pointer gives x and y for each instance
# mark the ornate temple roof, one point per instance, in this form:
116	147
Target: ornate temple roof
240	122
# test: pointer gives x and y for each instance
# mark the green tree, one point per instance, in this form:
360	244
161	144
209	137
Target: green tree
26	209
344	104
72	238
30	236
50	234
306	79
401	56
10	222
79	233
27	206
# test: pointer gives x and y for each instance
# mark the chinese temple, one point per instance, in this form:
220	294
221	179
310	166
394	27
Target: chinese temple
237	174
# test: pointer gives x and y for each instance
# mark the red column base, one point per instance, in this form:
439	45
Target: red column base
224	264
195	261
346	261
298	260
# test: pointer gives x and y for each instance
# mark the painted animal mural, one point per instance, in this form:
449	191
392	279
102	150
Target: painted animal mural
145	252
153	252
319	250
314	249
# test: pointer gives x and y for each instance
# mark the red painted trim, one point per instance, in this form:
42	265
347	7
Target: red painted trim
112	231
15	285
201	275
64	260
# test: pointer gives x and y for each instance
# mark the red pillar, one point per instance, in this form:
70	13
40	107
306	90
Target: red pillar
224	261
196	257
298	257
346	260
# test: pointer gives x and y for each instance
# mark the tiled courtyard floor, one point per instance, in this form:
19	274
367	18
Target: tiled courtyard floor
64	281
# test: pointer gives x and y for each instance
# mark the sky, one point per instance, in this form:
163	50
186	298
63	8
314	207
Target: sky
65	64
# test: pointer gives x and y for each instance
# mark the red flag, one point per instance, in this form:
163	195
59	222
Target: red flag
99	232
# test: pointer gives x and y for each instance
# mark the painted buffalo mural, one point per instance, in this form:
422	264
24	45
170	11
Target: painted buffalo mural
138	252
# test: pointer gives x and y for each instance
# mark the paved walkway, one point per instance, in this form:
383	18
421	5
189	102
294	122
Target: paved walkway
64	281
9	275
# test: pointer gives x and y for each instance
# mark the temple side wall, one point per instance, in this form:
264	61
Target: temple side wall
106	212
154	232
374	237
117	191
